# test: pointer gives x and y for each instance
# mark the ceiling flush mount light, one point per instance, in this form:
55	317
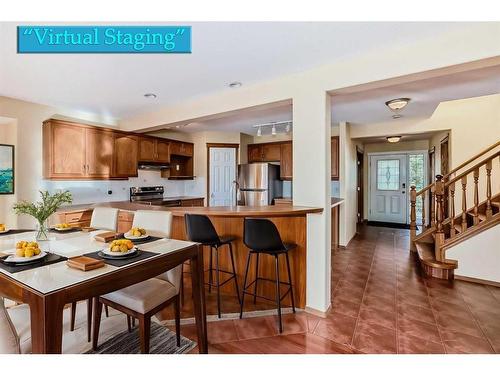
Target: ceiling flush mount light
398	104
150	95
235	85
394	139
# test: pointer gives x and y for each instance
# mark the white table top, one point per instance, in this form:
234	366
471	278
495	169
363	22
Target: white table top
49	278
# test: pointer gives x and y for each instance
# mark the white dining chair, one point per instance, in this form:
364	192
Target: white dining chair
15	329
145	299
104	218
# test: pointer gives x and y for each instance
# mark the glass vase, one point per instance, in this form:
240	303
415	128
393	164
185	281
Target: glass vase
42	233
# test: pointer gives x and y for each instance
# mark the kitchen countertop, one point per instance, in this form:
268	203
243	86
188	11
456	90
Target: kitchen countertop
263	211
121	205
336	201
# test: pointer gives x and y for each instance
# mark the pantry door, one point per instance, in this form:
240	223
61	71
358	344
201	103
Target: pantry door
222	174
388	188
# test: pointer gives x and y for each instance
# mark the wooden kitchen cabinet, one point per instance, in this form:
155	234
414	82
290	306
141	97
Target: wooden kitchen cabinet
254	153
125	155
154	150
335	158
196	202
181	148
264	152
286	161
72	151
75	218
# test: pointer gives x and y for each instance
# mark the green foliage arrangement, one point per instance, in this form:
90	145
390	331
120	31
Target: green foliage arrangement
42	210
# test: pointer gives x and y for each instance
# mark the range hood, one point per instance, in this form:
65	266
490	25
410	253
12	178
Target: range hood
153	166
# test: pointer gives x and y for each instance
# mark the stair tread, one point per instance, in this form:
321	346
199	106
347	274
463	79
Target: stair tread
426	254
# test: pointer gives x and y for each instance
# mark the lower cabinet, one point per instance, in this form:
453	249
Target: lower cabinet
75	218
198	202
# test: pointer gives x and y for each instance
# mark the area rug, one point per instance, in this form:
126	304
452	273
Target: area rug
162	342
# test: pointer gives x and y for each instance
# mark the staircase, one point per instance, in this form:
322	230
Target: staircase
440	224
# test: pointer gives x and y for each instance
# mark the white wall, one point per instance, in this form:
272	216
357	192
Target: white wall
479	257
8	135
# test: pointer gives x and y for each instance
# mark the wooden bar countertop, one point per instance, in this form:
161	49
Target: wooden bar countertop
234	211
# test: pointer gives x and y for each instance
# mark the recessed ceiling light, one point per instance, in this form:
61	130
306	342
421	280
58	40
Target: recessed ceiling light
235	85
394	139
150	95
398	104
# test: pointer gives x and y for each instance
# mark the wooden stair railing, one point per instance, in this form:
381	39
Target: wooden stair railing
444	190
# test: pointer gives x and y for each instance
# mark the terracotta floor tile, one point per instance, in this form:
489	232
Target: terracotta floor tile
251	328
346	307
383	303
456	342
371	315
336	327
458	324
414	299
416	313
415	345
293	323
416	328
374	338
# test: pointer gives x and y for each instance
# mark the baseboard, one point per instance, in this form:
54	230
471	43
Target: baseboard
477	281
321	314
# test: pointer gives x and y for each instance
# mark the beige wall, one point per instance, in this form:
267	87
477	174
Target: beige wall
29	118
8	135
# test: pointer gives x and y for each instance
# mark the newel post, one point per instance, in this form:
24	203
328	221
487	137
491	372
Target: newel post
439	239
413	217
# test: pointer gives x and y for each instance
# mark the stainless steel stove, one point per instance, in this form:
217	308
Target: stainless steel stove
153	196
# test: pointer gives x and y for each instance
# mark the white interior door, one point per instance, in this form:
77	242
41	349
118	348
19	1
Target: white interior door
222	174
388	188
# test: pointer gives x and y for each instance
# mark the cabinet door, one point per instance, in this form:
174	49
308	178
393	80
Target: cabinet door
188	149
126	153
175	148
335	158
254	153
68	151
286	161
163	151
271	152
147	149
99	153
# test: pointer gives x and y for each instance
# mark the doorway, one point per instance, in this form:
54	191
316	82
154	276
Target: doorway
359	185
222	163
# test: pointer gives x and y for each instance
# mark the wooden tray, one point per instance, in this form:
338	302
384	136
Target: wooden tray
84	263
106	236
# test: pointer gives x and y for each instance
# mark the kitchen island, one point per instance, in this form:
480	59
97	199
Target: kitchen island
291	222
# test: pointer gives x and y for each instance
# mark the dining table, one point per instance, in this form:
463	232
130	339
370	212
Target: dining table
49	288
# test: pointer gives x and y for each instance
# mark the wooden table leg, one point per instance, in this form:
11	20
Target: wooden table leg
46	324
199	300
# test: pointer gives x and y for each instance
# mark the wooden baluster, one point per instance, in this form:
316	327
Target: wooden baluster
451	189
476	197
433	205
489	211
413	218
439	235
423	210
464	203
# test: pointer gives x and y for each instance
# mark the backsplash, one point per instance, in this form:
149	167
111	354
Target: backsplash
97	191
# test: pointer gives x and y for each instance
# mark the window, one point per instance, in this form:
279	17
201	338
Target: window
388	174
417	179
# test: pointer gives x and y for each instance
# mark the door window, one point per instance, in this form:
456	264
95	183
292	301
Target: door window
417	178
388	174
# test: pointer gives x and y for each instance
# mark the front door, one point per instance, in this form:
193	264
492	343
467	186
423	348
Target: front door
222	174
388	188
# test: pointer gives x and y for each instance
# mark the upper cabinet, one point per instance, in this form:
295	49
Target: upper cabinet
286	161
125	155
182	148
154	149
76	152
335	158
264	152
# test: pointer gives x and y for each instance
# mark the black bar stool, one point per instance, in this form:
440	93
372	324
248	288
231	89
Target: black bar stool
200	229
262	237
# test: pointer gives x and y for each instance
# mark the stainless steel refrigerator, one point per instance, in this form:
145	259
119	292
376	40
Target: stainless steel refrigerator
258	184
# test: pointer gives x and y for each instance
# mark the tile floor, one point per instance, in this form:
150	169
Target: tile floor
381	304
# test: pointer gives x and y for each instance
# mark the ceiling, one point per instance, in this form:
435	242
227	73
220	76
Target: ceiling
113	85
369	106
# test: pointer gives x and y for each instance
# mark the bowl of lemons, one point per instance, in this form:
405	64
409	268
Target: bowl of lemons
3	228
26	251
136	234
62	227
120	248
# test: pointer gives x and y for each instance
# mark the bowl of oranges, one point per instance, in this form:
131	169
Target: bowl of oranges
136	234
3	228
26	251
120	248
